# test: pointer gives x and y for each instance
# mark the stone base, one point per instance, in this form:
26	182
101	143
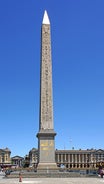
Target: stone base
47	175
47	168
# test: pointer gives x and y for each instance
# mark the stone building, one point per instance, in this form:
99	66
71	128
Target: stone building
17	161
73	159
33	157
80	158
5	160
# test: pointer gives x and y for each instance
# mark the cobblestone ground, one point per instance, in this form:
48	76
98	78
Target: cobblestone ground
53	181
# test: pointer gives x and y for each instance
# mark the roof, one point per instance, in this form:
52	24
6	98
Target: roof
17	158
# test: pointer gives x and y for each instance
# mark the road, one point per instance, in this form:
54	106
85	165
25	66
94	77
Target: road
53	181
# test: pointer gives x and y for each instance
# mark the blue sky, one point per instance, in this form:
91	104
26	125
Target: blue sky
77	30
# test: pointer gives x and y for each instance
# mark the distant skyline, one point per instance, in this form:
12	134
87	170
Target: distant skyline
77	35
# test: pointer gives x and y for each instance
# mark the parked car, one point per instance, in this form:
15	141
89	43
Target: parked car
7	172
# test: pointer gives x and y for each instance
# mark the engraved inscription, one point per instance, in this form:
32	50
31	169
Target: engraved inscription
46	104
48	145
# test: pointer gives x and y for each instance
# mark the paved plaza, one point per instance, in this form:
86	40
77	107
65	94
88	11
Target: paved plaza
53	181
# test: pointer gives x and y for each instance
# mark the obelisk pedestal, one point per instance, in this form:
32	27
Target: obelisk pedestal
46	151
46	134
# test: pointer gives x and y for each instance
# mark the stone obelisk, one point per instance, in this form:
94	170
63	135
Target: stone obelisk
46	134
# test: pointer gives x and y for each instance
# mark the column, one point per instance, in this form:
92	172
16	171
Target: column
82	160
72	160
76	160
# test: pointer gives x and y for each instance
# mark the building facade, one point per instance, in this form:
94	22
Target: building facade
73	159
33	157
5	160
17	161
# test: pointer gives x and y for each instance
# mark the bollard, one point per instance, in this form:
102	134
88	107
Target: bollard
20	177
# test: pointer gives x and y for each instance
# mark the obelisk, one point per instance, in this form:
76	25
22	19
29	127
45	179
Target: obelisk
46	134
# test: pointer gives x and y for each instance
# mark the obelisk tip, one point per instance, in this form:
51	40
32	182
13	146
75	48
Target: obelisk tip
45	18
